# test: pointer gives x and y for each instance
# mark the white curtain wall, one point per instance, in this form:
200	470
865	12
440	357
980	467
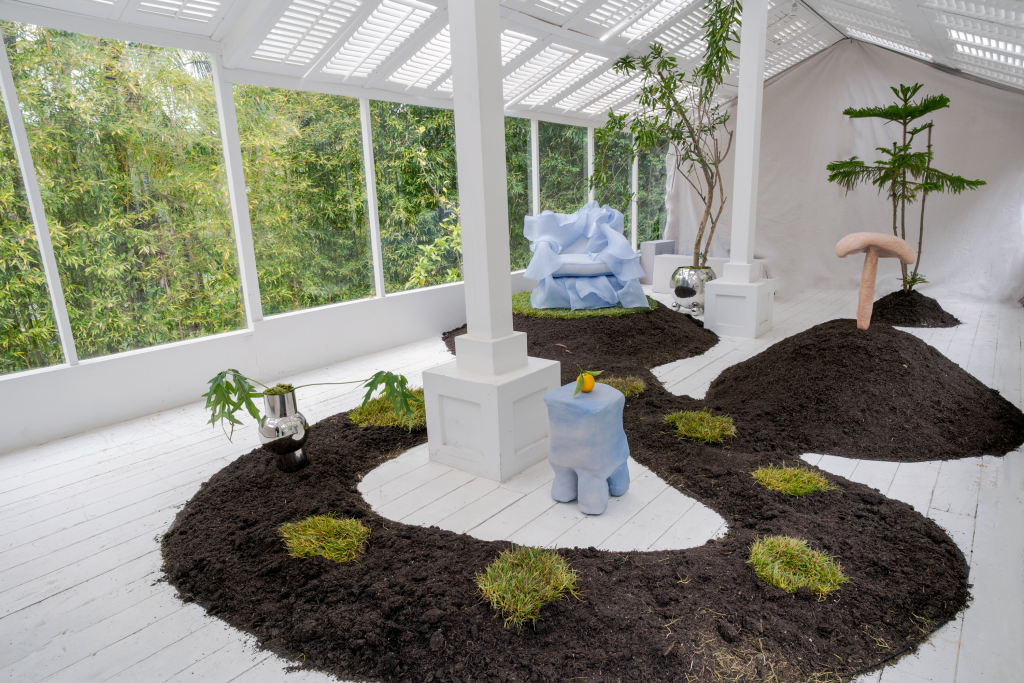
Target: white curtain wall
973	242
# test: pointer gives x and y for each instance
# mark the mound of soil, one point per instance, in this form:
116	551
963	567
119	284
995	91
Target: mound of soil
875	394
616	346
901	309
408	610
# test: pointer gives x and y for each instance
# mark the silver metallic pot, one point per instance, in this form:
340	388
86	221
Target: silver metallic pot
688	287
283	432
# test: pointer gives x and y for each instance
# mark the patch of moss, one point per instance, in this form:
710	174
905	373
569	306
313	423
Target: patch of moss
701	425
629	386
787	563
523	580
379	412
279	390
521	305
793	481
339	540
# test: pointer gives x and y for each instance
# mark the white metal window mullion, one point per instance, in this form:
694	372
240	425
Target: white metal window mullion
35	205
535	163
592	192
237	195
634	209
371	195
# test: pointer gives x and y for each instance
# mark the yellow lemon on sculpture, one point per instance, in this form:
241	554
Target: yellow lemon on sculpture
588	383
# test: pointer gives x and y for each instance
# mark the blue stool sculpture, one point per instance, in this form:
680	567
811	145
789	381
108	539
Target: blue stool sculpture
583	260
588	446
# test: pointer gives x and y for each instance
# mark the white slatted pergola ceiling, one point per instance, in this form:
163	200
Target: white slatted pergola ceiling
558	55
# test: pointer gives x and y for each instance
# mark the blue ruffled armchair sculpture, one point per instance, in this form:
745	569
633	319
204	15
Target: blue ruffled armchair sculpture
582	260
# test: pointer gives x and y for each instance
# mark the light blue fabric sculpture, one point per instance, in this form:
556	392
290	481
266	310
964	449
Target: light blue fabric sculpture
588	446
582	260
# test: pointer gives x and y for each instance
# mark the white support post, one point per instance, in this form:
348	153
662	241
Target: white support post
535	163
592	192
634	204
740	304
35	206
371	195
237	194
485	410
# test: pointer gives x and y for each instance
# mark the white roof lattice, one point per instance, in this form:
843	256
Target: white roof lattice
558	56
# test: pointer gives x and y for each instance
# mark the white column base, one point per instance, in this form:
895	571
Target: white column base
739	309
491	426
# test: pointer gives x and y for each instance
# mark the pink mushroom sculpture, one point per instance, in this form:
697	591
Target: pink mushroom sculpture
874	245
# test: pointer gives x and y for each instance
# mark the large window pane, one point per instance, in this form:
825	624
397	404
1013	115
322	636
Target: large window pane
619	159
127	150
563	167
28	334
303	159
517	168
651	201
417	195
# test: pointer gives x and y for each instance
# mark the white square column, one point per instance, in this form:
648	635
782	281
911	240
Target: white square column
485	410
740	303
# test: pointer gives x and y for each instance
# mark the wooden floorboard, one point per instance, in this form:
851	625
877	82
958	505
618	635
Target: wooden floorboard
80	518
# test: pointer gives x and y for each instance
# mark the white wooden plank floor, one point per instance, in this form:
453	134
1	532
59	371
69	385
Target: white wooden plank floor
650	516
80	520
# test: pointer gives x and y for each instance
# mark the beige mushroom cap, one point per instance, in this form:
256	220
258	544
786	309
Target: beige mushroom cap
889	246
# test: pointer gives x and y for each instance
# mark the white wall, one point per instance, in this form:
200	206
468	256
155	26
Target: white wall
973	243
50	403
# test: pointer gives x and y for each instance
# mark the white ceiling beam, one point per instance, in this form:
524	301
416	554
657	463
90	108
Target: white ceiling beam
105	28
674	19
525	56
249	29
405	52
553	30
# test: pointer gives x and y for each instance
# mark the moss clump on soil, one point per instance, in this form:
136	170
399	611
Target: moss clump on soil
629	386
279	390
788	563
521	305
702	426
793	481
380	413
339	540
523	580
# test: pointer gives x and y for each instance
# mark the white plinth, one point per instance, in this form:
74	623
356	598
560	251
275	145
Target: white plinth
493	426
739	309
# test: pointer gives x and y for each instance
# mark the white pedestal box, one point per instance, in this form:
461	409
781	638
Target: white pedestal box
739	309
493	426
648	250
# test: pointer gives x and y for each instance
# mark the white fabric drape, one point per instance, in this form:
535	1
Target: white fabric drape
973	242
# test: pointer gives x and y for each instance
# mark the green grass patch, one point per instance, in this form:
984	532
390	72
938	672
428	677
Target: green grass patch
788	563
630	386
701	425
521	305
340	540
380	413
793	481
523	580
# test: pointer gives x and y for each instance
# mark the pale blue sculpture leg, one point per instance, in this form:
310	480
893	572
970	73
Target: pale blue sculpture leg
593	494
564	487
618	483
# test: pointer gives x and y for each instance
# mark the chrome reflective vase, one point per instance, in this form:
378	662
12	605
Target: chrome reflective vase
283	432
688	287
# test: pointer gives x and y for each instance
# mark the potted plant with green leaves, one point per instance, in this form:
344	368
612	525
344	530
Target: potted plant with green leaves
903	174
680	110
283	430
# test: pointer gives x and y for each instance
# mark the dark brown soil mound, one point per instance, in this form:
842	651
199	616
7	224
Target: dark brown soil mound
613	345
875	394
408	610
911	310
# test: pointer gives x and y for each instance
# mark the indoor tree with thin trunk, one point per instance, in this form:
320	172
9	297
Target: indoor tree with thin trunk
680	110
903	173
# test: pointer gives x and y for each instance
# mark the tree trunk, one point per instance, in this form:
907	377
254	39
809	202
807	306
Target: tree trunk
924	196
